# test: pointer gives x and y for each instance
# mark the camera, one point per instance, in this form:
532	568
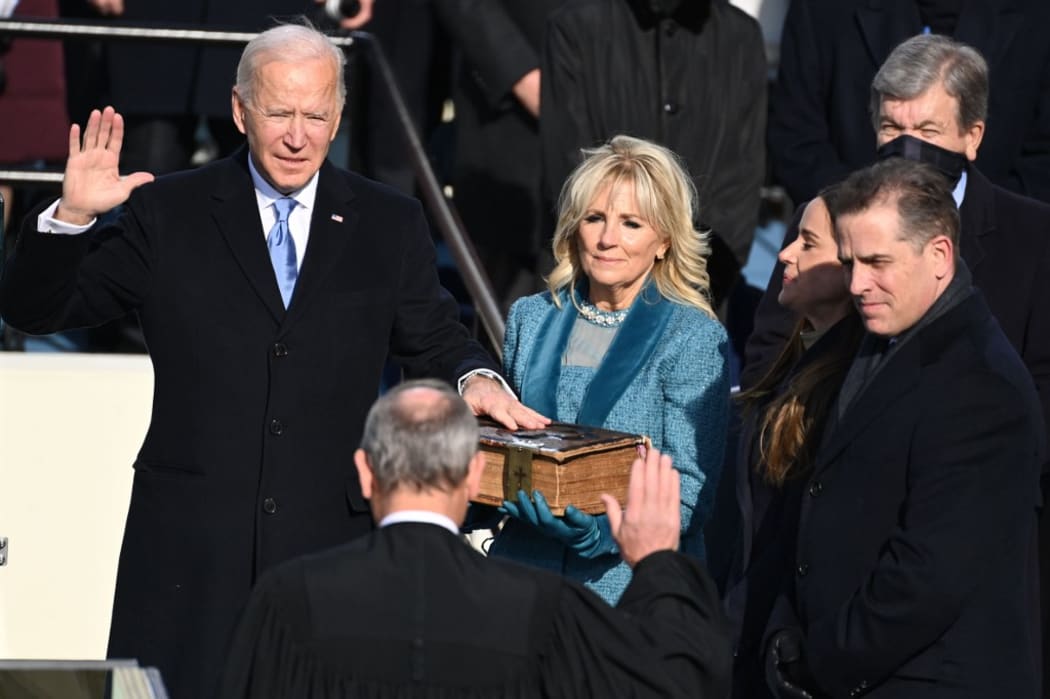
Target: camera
341	9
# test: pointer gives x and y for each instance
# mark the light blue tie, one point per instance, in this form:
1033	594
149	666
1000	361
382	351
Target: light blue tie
282	249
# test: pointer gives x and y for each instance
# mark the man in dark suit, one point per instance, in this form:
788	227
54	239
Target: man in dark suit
267	347
830	49
1004	239
496	169
932	90
412	607
916	542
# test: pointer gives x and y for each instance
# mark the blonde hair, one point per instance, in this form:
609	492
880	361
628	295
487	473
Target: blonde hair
666	199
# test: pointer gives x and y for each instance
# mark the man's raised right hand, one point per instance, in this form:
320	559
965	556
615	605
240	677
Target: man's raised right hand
92	184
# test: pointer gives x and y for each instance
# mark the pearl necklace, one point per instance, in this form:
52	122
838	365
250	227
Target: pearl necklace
606	319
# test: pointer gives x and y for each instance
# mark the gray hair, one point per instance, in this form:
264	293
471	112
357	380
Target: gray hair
421	445
923	198
288	42
920	62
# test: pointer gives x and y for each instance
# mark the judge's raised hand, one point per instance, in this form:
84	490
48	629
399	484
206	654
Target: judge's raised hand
92	184
652	520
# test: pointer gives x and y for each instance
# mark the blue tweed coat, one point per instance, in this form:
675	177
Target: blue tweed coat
665	376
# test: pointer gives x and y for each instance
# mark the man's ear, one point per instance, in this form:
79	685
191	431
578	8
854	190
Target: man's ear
364	473
474	471
237	107
943	252
973	134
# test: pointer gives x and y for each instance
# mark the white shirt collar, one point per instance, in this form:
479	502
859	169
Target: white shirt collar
960	190
424	516
267	195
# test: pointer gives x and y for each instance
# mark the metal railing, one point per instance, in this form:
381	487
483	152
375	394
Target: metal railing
443	215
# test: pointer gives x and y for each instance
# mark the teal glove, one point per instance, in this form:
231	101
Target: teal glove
586	535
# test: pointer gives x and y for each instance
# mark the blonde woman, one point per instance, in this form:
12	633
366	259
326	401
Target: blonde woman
625	338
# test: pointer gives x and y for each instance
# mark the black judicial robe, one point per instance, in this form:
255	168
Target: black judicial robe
411	611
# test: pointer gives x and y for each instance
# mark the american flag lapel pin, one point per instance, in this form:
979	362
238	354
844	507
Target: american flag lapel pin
338	218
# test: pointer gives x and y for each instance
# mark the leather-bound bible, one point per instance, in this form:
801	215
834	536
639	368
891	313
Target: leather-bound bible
569	464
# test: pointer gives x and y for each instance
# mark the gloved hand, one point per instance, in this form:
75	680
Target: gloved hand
586	535
786	671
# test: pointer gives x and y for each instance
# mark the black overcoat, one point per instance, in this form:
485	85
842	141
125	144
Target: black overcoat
256	410
915	566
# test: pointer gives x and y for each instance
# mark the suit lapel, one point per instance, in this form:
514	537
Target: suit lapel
236	212
332	225
977	216
897	378
886	23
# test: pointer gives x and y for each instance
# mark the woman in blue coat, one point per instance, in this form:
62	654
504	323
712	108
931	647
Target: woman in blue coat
625	338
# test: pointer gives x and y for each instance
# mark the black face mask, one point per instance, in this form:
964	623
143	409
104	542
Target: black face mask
950	163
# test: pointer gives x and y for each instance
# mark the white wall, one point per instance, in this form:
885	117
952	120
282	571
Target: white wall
70	426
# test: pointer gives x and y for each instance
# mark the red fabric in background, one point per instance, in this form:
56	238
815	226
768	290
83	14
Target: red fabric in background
33	119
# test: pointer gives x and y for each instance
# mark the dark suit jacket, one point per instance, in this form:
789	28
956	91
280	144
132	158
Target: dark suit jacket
496	175
916	533
413	611
694	81
1005	241
256	410
819	124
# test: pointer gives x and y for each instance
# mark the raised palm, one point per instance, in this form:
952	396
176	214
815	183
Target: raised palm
92	184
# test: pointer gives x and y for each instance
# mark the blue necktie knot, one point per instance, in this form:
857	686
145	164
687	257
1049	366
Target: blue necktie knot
282	249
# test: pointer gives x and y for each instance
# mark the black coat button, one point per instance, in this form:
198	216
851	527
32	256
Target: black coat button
670	107
280	350
269	506
276	426
816	488
802	570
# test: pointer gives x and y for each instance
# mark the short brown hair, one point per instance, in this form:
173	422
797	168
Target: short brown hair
922	195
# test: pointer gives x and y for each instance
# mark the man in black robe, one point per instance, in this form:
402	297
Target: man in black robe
412	609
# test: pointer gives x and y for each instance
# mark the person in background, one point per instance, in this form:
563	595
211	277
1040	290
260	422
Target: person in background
784	419
687	74
411	610
496	168
831	49
625	338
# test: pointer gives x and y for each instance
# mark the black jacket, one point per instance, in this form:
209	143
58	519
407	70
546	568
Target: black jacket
915	566
694	82
1005	241
256	410
496	174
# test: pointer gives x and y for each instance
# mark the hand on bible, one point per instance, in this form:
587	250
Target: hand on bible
92	184
578	530
652	519
486	396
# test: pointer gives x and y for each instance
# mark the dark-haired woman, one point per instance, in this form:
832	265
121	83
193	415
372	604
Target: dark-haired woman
784	417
